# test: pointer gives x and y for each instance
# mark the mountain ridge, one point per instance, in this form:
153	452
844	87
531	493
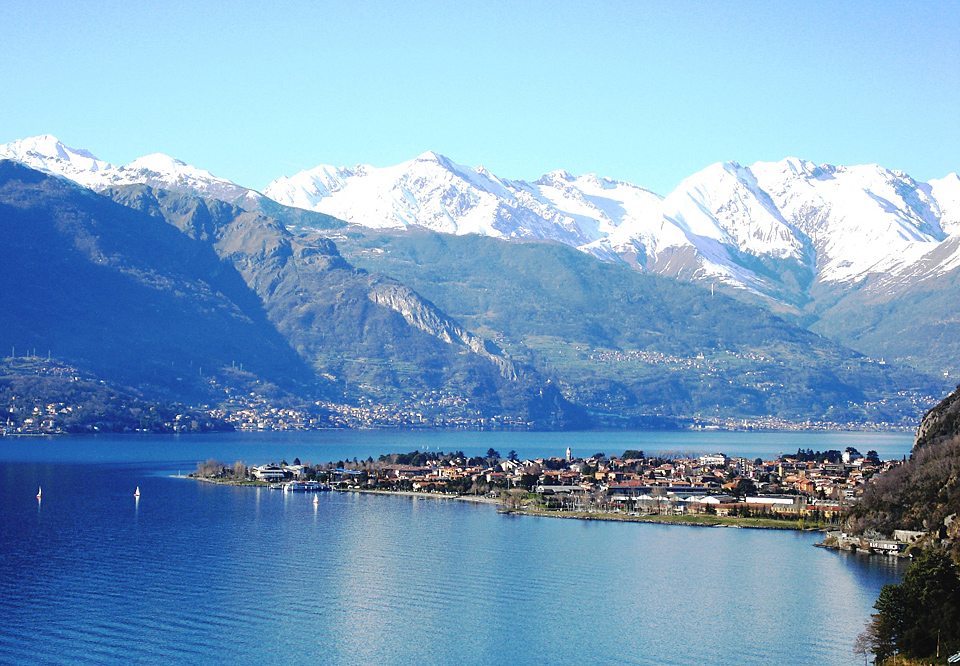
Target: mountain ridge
726	223
829	246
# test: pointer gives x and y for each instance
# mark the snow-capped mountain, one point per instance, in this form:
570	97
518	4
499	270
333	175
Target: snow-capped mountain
861	220
774	228
434	192
46	153
748	227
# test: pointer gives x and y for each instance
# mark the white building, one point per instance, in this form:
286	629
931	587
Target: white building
713	460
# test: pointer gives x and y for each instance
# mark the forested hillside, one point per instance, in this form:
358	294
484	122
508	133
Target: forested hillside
924	492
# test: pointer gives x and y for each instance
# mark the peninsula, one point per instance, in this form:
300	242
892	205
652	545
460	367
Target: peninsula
807	489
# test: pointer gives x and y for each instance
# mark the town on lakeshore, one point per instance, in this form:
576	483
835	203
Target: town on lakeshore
805	490
41	395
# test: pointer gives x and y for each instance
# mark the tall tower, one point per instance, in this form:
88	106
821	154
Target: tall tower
569	454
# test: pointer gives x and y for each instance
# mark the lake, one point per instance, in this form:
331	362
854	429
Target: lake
197	573
333	445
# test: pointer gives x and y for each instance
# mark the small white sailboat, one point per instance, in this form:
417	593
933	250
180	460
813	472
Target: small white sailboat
137	492
39	491
316	500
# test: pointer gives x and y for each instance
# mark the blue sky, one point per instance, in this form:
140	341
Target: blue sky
648	92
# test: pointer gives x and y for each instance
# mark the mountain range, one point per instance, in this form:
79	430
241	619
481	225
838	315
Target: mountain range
864	255
180	297
728	223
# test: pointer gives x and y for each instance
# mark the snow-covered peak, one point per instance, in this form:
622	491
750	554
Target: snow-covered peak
46	153
160	163
946	192
554	177
50	146
431	156
163	171
164	168
435	192
860	219
429	191
724	202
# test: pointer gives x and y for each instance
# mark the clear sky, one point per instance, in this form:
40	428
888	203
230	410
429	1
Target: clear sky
648	92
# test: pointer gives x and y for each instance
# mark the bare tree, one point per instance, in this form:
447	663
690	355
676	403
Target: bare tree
211	468
239	470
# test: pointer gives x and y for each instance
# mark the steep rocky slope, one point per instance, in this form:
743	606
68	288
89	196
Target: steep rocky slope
924	492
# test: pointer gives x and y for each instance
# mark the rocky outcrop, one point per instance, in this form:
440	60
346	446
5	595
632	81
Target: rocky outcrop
940	423
424	315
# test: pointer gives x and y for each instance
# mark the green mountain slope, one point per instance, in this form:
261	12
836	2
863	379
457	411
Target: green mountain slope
635	345
916	323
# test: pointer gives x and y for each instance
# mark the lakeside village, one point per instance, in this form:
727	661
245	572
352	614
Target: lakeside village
45	396
806	490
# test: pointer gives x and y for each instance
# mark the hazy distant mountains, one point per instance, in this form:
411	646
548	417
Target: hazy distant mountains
865	255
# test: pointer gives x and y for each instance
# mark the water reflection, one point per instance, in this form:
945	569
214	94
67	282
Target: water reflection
387	579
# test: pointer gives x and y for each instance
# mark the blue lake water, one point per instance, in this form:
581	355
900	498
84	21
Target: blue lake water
196	573
333	445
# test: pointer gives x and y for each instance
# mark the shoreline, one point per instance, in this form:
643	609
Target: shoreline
686	520
802	428
401	493
437	496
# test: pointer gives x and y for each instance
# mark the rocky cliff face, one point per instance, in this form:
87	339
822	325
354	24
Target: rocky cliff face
923	493
425	316
941	423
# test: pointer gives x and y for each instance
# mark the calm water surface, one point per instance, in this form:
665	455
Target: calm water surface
195	573
332	445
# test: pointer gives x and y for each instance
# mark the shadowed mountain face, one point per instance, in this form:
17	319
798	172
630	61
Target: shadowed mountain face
125	294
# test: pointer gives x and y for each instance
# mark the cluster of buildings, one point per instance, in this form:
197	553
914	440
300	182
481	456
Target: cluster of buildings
788	486
251	411
873	543
39	419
